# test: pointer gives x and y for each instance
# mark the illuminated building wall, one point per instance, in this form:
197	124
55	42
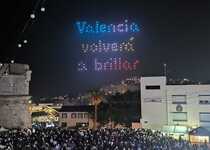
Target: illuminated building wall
184	105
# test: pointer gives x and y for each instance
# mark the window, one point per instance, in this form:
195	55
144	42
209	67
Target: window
63	124
73	115
204	117
204	102
64	115
179	99
152	87
80	115
204	99
85	115
179	116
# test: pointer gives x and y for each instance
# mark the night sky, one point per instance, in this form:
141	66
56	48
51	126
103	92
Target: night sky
172	32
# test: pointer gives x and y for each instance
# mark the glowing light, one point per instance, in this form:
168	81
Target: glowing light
132	38
116	64
82	66
19	45
25	41
98	27
42	9
32	16
100	46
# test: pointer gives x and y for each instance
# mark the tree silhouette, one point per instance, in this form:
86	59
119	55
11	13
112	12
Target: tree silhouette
121	108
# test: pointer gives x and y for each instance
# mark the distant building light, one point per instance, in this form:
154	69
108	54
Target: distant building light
19	45
42	9
25	41
32	16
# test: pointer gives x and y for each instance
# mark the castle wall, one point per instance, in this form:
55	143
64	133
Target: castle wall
14	112
14	96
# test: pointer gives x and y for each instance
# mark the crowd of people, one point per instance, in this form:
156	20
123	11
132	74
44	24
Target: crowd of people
101	139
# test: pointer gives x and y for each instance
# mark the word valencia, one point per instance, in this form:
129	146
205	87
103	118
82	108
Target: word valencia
98	27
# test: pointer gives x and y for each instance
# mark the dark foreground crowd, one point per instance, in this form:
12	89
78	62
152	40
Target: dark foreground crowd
101	139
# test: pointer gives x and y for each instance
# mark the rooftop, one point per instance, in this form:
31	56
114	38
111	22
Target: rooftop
13	68
77	108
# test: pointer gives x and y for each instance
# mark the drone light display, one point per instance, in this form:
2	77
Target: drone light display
114	63
106	47
99	27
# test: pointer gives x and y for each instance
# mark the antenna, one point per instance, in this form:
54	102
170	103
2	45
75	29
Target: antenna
165	69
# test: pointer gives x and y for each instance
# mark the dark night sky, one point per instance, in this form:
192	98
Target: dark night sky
173	32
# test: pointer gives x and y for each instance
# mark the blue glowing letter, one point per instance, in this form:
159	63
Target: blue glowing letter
102	28
81	26
89	29
134	27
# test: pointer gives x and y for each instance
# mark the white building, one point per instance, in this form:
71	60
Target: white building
183	105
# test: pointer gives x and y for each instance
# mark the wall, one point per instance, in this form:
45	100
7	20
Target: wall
14	85
192	106
156	113
14	112
71	122
153	102
14	96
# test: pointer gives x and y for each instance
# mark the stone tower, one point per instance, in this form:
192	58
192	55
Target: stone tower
14	95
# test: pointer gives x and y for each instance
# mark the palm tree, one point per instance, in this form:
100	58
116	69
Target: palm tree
96	99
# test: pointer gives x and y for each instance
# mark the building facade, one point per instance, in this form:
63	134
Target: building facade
174	105
76	116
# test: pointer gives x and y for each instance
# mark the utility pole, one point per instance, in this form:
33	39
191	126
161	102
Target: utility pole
139	98
166	99
165	69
